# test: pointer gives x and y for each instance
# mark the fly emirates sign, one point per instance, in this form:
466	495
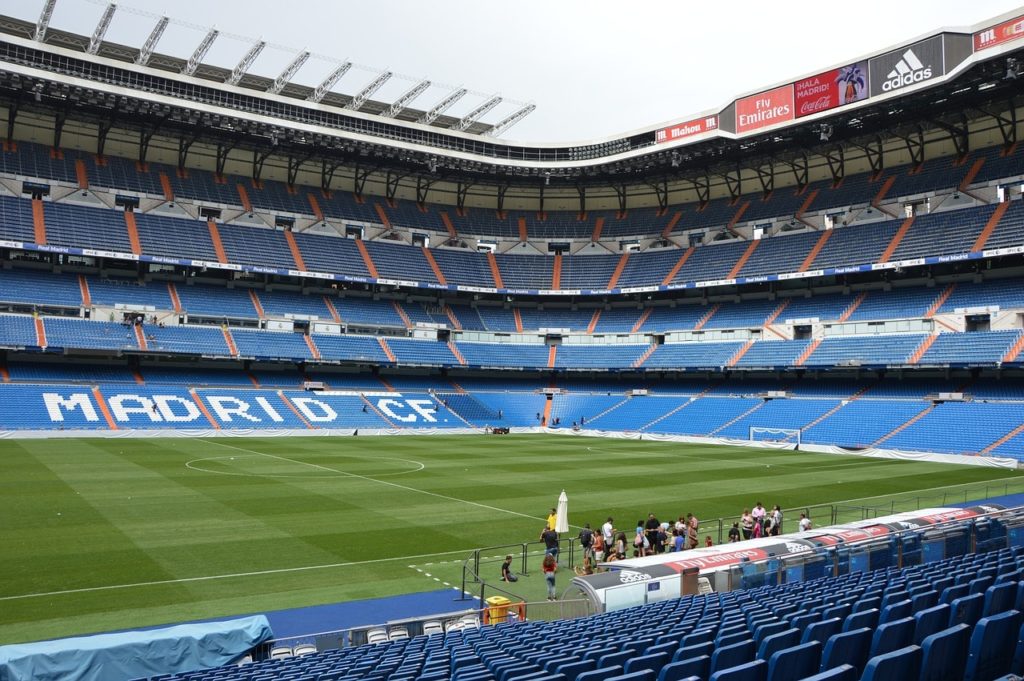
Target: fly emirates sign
765	109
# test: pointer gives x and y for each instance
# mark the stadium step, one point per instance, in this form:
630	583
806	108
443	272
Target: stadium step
545	420
940	300
672	412
81	173
676	217
450	313
523	236
739	354
83	287
40	332
914	419
816	249
447	222
678	266
972	173
751	247
387	349
643	320
808	351
175	300
1014	352
739	418
598	228
777	312
492	262
880	196
387	386
165	184
607	411
314	351
731	226
256	304
707	317
990	226
367	260
333	310
295	410
458	388
39	222
243	196
824	416
556	273
811	195
456	353
101	402
853	307
293	246
552	356
382	214
623	259
896	239
314	205
594	319
401	313
229	341
140	338
133	232
1006	438
434	267
518	319
218	245
202	407
922	348
639	362
139	380
4	374
252	379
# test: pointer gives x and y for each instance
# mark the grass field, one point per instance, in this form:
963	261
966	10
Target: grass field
107	534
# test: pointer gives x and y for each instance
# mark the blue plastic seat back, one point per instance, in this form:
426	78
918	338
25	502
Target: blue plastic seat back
924	600
734	637
981	584
999	598
573	669
950	594
892	635
700	636
699	666
641	675
730	656
768	629
821	631
619	658
843	672
864	618
652	662
840	611
930	621
776	642
899	665
990	653
793	664
944	654
694	651
600	674
756	670
966	610
896	611
555	662
848	647
803	620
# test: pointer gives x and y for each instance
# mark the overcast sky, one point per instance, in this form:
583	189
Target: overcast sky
594	68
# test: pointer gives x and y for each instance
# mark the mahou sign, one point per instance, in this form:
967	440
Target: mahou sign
765	109
999	34
687	129
831	89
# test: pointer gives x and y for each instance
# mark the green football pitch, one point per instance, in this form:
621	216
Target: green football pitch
102	534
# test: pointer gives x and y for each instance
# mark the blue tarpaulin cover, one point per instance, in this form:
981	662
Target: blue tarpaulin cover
134	654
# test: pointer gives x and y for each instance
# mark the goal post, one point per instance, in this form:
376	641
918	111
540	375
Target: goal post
775	435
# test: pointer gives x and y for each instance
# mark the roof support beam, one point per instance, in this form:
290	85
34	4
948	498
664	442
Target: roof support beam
462	189
474	115
330	81
423	185
442	106
957	134
367	92
836	158
258	159
502	190
327	171
222	156
12	115
101	135
246	61
184	144
101	28
915	146
294	163
359	179
197	57
621	194
1007	122
766	176
874	151
507	122
660	188
405	100
702	185
289	72
44	20
150	45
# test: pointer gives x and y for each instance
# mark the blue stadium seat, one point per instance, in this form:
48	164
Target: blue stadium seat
990	653
822	631
850	647
797	662
698	666
944	654
756	670
966	609
843	672
930	621
999	598
773	643
898	665
892	635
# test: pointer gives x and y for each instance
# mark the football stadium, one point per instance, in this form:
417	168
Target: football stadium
318	378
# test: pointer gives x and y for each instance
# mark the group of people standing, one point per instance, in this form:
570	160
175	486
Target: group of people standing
760	522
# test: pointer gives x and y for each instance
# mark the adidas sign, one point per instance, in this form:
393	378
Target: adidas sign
908	70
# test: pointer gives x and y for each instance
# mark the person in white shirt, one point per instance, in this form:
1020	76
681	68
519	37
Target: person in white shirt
608	532
805	523
758	514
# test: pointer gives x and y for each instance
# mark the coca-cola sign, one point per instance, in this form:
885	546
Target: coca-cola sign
830	89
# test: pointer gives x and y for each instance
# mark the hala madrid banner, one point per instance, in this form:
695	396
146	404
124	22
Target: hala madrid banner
831	89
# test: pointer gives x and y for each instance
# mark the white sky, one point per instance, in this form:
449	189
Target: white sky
594	68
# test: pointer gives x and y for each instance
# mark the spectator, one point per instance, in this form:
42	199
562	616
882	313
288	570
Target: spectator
707	541
552	519
506	570
640	542
776	521
759	513
805	522
747	523
620	546
586	537
549	567
651	529
678	539
599	547
734	533
550	539
692	538
608	530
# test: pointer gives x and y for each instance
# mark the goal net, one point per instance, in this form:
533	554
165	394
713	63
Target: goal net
778	435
